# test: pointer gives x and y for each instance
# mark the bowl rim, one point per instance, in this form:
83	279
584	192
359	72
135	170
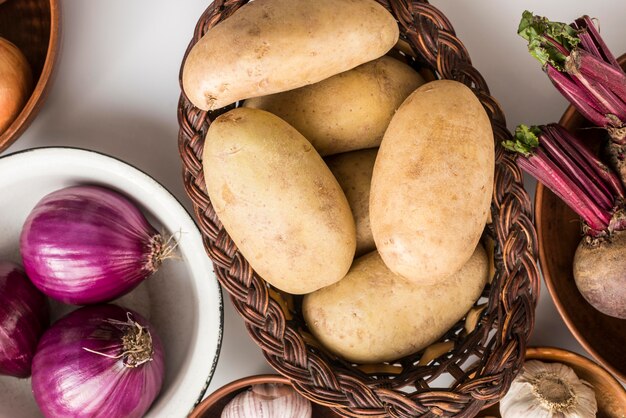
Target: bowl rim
234	386
551	354
40	90
547	276
158	185
556	354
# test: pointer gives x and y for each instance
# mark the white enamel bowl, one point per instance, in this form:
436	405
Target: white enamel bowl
183	300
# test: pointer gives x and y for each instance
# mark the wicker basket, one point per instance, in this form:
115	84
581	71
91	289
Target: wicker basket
34	26
405	388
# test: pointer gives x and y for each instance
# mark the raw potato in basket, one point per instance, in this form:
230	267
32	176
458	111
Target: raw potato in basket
278	201
269	46
349	111
373	315
432	183
353	171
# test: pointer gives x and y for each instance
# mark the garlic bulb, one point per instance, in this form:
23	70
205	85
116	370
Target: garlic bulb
15	83
545	390
268	401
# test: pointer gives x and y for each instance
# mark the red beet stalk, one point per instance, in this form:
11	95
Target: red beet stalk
562	163
582	68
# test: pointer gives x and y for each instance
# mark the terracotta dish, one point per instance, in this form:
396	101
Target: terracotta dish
212	406
34	26
610	394
559	233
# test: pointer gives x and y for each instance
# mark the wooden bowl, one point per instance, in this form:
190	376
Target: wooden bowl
610	394
213	406
34	26
558	230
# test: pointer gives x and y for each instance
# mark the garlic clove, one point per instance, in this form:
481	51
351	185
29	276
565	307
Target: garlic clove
268	401
546	390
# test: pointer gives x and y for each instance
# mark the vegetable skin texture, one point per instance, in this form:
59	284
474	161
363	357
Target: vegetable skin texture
373	315
278	201
268	400
24	316
16	80
89	244
71	382
269	46
353	170
349	111
432	182
600	273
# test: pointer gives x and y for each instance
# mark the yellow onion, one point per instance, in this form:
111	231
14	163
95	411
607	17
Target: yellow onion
16	81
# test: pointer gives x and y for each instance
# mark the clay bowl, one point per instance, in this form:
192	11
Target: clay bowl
213	405
610	394
559	233
34	26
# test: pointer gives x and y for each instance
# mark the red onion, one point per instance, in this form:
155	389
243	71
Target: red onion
98	361
87	244
24	316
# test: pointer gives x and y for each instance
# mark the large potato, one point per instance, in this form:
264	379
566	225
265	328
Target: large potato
349	111
432	182
269	46
373	315
278	201
353	171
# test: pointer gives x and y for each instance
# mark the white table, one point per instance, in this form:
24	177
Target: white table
116	91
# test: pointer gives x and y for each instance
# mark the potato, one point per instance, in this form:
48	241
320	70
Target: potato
373	315
349	111
432	182
353	171
278	201
15	83
269	46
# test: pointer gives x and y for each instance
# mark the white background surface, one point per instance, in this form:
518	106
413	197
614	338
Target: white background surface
116	91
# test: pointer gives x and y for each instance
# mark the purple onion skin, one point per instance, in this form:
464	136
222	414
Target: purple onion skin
86	244
24	316
71	382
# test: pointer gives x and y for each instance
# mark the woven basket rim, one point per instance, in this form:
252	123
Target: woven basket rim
512	298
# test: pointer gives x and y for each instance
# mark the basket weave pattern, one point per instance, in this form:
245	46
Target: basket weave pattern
482	364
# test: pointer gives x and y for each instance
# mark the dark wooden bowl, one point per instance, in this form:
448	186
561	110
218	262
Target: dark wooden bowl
559	233
610	394
34	27
213	406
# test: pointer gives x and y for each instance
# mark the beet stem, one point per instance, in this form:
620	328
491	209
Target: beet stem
537	168
542	156
565	161
574	196
584	103
575	148
613	78
605	97
590	34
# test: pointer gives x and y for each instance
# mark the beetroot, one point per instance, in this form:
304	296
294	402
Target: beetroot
600	273
561	162
583	69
